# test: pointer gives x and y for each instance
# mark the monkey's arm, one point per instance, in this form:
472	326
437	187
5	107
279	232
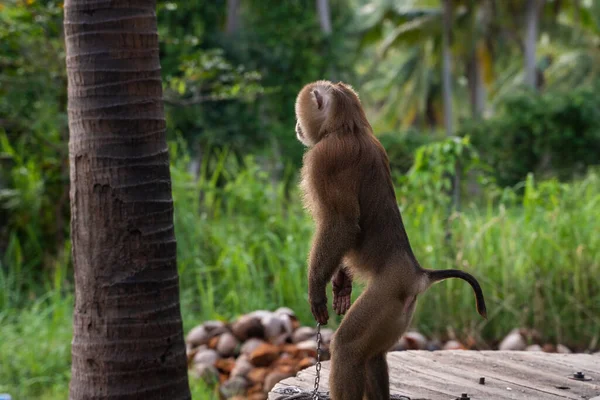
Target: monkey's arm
342	290
332	241
336	233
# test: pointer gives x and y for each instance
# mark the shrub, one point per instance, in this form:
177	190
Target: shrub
553	134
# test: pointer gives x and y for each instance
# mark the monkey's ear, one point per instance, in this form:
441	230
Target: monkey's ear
318	98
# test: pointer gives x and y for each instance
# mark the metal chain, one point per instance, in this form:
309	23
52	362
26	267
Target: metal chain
315	394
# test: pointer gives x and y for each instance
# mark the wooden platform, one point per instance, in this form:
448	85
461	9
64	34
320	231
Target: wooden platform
445	375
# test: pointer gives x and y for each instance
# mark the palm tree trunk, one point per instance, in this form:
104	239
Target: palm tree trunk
325	21
447	67
233	16
127	328
447	92
474	74
324	16
475	84
531	32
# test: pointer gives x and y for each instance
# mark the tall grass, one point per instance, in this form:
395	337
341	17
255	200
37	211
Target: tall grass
242	245
35	348
538	261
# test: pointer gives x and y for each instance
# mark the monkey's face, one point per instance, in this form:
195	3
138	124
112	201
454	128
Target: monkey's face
312	107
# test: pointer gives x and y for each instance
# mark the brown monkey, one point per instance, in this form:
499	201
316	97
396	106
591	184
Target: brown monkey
348	189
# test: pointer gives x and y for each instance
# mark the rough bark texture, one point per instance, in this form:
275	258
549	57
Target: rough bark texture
128	337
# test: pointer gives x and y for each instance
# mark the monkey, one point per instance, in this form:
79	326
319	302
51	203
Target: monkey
347	188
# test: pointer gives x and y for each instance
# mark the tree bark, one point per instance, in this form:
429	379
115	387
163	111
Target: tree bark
233	16
127	328
532	15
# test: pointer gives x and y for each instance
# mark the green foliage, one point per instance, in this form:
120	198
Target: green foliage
401	147
208	76
404	43
210	97
32	73
556	133
33	134
238	90
289	55
429	180
33	205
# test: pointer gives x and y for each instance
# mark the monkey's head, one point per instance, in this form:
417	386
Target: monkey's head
323	103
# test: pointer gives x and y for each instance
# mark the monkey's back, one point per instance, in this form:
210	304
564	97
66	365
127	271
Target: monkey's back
382	239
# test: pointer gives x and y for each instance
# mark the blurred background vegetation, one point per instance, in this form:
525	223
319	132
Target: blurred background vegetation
488	109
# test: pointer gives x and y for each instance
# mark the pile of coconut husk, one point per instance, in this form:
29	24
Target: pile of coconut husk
247	357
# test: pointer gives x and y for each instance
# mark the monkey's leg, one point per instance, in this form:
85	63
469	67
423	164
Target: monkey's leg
371	326
378	381
342	290
355	342
347	376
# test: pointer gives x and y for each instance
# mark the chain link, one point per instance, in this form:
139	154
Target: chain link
315	394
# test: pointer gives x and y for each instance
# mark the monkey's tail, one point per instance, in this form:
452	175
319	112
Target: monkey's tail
439	275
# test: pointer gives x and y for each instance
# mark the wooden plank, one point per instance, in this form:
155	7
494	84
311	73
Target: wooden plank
445	375
520	372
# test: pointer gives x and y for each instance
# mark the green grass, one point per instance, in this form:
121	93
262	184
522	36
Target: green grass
538	263
35	351
35	348
243	246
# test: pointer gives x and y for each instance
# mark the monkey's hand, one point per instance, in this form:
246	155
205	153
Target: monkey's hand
318	307
342	290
